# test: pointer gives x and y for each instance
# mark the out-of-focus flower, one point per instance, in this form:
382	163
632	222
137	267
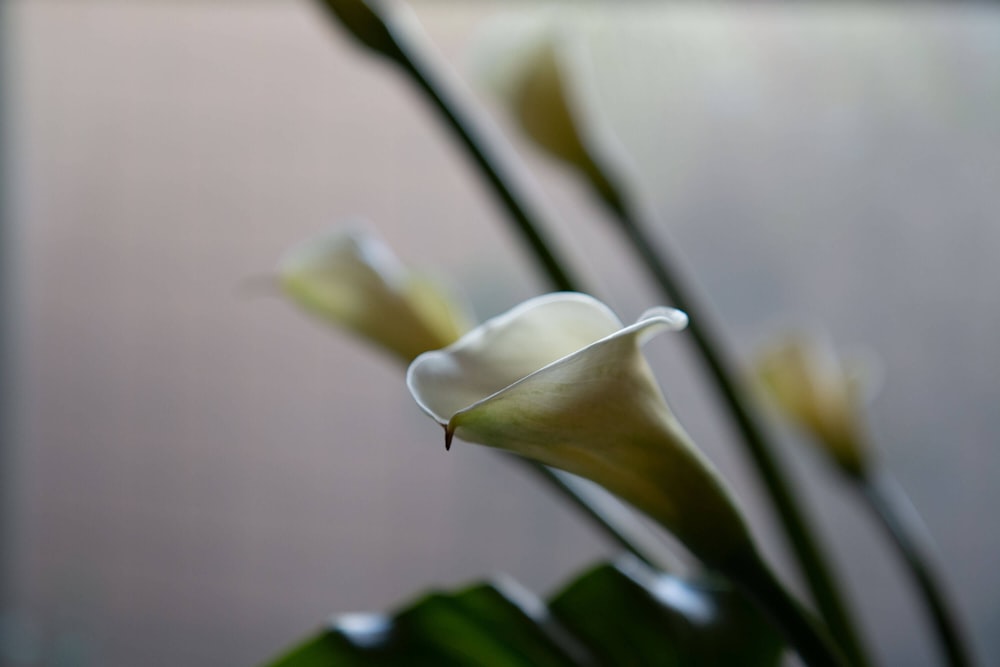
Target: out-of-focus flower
541	84
353	280
560	380
820	393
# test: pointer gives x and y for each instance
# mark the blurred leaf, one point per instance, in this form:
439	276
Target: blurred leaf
614	615
627	614
487	624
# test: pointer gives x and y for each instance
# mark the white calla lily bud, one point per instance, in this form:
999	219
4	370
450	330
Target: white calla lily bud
820	393
355	281
543	84
560	380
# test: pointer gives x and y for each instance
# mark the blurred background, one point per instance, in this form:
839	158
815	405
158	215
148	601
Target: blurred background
199	474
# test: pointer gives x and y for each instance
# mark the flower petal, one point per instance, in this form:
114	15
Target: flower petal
505	349
572	401
820	392
544	82
354	280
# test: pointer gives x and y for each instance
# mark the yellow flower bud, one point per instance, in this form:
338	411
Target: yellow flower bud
820	393
354	281
537	86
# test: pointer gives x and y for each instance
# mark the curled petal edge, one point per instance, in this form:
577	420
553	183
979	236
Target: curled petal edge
650	323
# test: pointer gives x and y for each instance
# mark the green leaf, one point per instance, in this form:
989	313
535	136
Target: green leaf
627	614
614	615
487	624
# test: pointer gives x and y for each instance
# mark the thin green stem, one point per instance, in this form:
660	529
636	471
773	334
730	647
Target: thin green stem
495	161
809	640
890	505
615	527
666	272
391	30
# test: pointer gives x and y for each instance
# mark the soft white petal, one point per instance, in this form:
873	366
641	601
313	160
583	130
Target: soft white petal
544	78
505	349
602	385
355	281
438	308
809	382
336	254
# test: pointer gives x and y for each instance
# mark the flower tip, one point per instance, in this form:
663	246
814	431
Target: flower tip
449	433
674	319
821	392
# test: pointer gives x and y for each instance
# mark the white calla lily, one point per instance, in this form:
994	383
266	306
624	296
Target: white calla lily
821	393
355	281
560	380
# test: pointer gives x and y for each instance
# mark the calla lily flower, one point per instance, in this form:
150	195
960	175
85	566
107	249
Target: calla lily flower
820	393
355	281
560	380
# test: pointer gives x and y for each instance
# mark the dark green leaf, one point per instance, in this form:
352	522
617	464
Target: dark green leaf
615	615
488	625
628	614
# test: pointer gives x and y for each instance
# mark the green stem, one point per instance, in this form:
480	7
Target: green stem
810	640
890	505
390	29
667	274
383	30
495	161
616	527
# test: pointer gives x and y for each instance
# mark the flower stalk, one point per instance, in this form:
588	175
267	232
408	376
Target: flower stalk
391	30
892	508
811	641
707	340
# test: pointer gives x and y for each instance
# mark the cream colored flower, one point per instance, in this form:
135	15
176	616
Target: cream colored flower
819	392
354	280
541	83
560	380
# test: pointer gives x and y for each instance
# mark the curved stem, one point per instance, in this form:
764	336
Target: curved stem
495	161
890	505
667	273
390	29
615	526
809	639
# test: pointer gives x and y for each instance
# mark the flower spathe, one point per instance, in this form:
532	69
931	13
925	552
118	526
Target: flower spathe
821	393
544	85
353	280
561	381
541	100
